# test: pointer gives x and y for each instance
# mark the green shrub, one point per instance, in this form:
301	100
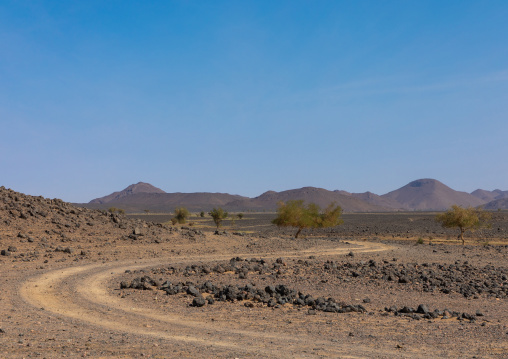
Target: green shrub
295	214
181	214
218	214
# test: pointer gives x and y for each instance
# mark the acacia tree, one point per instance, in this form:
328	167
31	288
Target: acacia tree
464	218
181	214
295	214
218	214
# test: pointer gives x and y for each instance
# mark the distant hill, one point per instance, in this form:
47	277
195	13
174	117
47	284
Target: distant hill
420	195
133	189
374	199
167	202
488	196
430	195
485	196
319	196
496	204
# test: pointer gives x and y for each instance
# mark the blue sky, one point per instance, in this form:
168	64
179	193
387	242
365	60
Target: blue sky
249	96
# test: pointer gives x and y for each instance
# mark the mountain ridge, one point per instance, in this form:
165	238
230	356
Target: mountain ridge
420	195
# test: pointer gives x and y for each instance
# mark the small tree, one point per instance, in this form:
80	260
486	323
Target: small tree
181	214
240	215
218	214
202	214
295	214
464	218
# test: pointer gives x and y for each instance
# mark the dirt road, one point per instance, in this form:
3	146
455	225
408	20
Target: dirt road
81	293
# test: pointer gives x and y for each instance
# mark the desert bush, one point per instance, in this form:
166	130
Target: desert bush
295	214
116	210
202	214
218	214
181	214
464	219
419	241
240	215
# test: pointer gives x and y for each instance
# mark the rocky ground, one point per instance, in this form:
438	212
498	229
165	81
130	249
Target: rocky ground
83	283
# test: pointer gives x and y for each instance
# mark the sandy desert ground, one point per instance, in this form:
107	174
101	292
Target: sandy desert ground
81	283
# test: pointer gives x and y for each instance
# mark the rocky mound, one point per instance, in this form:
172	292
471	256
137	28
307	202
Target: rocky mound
41	219
464	278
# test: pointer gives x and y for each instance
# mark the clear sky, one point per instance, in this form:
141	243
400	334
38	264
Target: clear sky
248	96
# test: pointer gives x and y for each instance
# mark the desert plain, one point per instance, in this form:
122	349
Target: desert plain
80	283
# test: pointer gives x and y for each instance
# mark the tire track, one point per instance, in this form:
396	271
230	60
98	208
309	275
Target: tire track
81	293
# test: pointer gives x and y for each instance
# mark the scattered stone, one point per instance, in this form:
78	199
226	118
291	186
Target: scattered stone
198	301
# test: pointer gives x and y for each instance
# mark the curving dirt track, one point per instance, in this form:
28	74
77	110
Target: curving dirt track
81	293
61	269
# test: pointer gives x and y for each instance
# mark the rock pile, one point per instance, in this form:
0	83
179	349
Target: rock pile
422	312
272	295
461	277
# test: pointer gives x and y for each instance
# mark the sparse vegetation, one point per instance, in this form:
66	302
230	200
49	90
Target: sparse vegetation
295	214
116	210
202	214
240	215
181	214
218	214
419	241
464	218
